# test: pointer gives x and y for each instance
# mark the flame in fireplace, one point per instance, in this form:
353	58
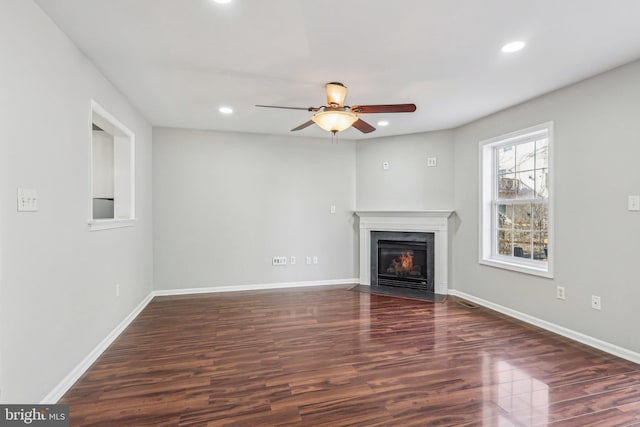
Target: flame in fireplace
406	261
403	263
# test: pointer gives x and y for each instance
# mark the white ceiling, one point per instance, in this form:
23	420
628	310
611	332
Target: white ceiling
179	60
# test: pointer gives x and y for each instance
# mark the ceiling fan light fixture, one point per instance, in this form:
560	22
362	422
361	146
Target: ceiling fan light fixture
336	117
334	121
336	93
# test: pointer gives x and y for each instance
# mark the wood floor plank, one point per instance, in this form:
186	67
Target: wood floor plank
331	357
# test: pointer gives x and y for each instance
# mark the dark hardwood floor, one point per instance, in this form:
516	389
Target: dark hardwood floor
333	357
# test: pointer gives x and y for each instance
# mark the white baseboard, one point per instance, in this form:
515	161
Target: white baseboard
66	383
73	376
560	330
253	287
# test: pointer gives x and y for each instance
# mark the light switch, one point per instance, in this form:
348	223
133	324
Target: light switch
385	166
333	209
634	203
27	200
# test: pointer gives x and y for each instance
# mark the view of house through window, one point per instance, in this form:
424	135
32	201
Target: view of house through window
516	200
521	201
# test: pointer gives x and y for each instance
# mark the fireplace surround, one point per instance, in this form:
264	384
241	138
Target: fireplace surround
434	222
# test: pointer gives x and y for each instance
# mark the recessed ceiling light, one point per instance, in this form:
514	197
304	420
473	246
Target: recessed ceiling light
383	123
222	1
513	46
225	110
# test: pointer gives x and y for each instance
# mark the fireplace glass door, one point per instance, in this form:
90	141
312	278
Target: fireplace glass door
401	259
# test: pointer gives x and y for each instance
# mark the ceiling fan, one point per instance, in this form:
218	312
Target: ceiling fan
336	117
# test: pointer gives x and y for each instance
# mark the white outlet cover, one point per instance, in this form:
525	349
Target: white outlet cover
279	260
432	162
385	166
633	203
332	209
293	259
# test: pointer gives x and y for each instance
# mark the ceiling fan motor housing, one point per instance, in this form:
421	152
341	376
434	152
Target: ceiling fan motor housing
336	94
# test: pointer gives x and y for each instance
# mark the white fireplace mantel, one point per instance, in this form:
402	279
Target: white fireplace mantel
436	222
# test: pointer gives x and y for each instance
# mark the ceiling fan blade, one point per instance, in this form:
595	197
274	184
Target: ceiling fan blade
290	108
389	108
363	126
302	126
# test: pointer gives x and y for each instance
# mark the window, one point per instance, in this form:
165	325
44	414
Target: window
112	171
516	201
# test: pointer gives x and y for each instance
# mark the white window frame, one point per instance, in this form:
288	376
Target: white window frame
488	251
124	170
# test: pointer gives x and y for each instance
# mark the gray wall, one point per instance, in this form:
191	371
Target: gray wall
597	149
408	184
226	203
57	279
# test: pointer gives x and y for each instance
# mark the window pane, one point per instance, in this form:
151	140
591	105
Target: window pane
525	185
506	160
540	246
507	186
542	182
505	216
542	153
525	156
522	217
522	244
516	210
504	242
540	213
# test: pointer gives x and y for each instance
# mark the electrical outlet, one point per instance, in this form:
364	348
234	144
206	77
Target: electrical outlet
279	260
315	259
117	289
385	166
633	203
308	260
595	302
293	259
432	162
560	293
332	209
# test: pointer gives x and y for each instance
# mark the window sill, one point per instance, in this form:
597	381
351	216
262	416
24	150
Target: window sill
542	271
106	224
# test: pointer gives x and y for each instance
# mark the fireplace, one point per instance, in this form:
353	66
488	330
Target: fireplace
430	222
402	260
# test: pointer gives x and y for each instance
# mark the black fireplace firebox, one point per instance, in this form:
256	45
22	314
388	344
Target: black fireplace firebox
402	260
